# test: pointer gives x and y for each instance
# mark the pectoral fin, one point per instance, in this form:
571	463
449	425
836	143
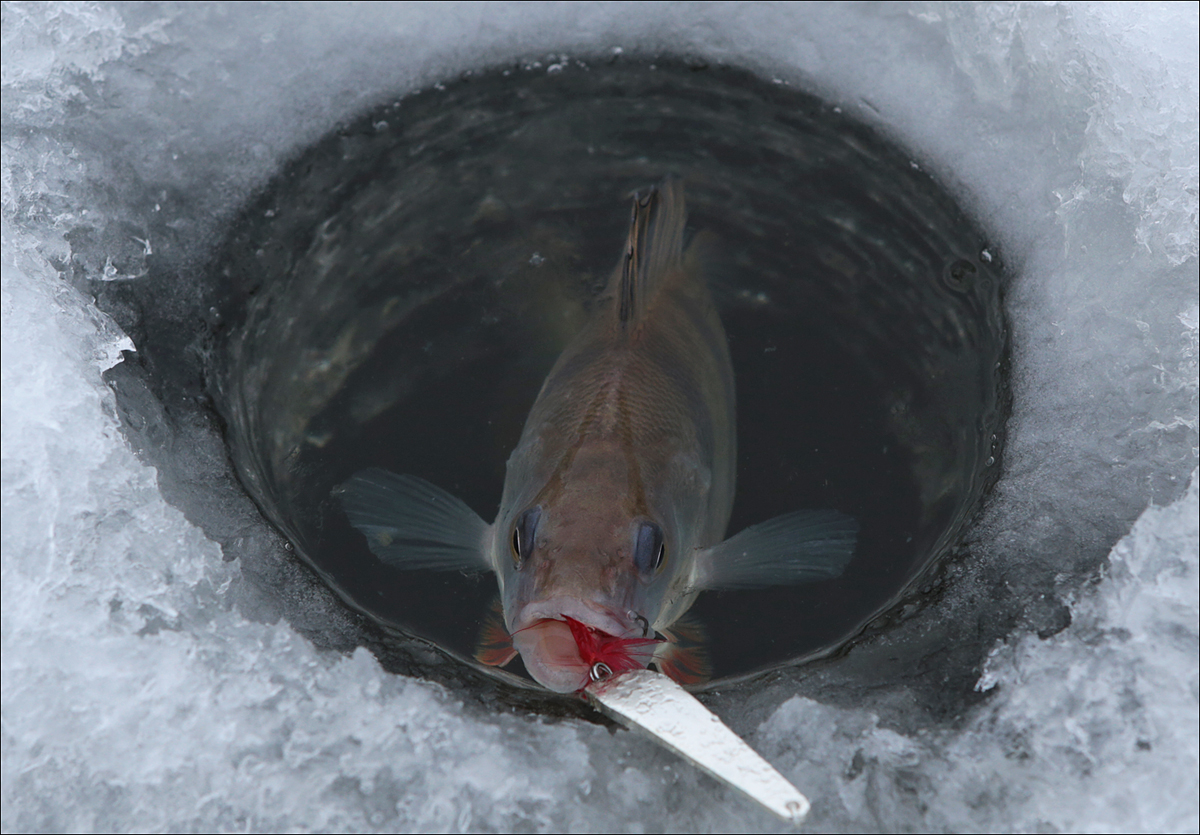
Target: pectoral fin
799	547
409	523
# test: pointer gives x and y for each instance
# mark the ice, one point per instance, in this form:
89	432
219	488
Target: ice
138	694
1095	728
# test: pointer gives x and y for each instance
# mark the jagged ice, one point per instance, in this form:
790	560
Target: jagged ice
141	687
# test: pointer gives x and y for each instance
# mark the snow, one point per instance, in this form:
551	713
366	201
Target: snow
1094	729
137	693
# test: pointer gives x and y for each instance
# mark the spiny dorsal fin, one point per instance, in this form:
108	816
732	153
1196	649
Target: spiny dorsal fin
655	249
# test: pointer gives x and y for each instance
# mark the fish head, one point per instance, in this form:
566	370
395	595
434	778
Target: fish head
582	586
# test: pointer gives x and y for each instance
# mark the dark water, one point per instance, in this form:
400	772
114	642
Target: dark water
398	293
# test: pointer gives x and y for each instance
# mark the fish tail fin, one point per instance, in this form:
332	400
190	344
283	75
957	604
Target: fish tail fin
653	252
684	656
495	646
799	547
409	523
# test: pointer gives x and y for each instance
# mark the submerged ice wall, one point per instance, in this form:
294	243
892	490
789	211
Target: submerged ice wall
141	691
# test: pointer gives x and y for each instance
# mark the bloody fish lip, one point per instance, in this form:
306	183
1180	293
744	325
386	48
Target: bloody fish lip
551	655
563	640
594	615
566	655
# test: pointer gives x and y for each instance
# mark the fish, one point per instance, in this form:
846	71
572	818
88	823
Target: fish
617	496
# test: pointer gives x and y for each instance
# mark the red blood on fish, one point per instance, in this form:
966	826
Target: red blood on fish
568	650
618	654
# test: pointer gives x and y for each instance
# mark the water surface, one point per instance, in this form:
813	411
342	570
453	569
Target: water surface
398	293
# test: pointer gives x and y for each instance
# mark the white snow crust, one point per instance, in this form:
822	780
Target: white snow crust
136	694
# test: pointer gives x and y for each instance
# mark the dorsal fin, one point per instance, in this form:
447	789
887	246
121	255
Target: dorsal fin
654	251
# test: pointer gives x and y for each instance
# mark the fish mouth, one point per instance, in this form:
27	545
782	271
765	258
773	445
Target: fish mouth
593	615
546	638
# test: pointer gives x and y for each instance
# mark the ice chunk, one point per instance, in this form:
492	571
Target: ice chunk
1096	725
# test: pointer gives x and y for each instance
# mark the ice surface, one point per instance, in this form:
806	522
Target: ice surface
1094	729
137	694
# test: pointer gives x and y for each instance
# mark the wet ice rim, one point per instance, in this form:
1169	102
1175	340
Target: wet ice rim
136	695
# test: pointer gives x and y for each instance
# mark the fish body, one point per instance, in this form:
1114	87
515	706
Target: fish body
617	496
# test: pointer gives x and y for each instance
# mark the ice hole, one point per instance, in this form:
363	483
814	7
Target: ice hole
397	295
149	684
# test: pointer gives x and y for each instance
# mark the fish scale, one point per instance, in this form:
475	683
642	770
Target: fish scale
617	495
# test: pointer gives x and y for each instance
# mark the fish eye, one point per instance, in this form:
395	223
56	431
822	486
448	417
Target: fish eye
650	548
523	535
